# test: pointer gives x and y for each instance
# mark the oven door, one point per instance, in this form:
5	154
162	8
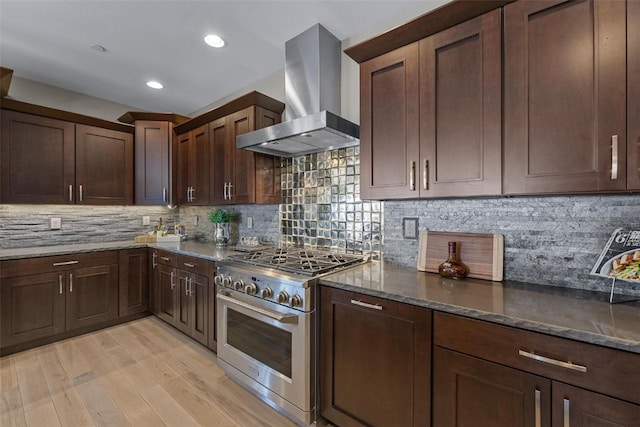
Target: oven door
269	343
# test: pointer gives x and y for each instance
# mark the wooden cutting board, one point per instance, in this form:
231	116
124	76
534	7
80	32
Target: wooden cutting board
483	254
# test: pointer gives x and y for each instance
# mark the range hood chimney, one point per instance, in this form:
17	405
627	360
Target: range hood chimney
312	98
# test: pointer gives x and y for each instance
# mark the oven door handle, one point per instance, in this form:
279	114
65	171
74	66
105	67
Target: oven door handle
282	318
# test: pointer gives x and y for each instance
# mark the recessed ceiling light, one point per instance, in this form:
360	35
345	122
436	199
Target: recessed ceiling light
155	85
214	40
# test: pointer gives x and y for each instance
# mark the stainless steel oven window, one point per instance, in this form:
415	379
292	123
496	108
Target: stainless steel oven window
265	343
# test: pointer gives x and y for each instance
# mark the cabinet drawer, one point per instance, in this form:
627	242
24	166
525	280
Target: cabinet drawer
21	267
605	370
193	265
166	258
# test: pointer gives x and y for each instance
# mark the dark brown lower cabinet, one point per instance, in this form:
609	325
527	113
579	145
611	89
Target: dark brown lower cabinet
134	282
375	361
471	392
32	307
167	293
92	295
193	305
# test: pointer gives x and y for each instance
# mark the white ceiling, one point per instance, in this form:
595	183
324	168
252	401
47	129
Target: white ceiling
50	42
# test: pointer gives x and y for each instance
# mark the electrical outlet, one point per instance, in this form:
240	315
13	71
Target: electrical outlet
410	228
146	220
56	223
249	222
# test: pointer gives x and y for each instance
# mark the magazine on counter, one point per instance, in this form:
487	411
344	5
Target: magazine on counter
620	258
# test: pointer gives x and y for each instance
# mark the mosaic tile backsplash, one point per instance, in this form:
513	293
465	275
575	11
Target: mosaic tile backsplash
322	207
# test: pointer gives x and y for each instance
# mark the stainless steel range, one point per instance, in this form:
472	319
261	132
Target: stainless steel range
266	323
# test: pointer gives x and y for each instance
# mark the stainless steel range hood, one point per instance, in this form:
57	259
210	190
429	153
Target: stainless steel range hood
312	97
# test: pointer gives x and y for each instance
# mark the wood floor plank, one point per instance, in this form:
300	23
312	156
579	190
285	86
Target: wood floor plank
33	387
158	369
25	360
167	409
129	401
8	374
72	360
54	374
71	409
43	415
96	359
101	407
10	399
200	409
13	418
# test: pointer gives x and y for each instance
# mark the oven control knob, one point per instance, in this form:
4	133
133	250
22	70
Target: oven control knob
283	297
238	285
266	293
250	288
296	301
218	280
226	282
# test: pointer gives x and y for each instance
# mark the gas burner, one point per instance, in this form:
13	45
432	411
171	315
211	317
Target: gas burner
278	259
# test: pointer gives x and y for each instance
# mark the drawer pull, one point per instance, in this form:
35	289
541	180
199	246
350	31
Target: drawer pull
538	414
188	264
71	193
155	260
58	264
566	421
70	283
60	283
614	157
555	362
425	175
412	176
366	304
165	259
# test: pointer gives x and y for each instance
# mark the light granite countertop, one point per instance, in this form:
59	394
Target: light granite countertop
581	315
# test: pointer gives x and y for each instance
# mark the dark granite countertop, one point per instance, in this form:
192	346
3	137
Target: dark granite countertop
188	247
581	315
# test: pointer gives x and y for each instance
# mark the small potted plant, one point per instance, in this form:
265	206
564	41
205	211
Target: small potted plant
221	218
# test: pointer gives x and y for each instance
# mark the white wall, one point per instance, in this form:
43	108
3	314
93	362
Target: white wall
50	96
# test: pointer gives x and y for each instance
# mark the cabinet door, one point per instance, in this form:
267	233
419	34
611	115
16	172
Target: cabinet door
471	392
167	284
565	92
389	125
199	296
104	166
92	295
37	159
212	342
183	302
153	282
579	407
267	177
633	94
152	168
461	110
184	166
375	361
32	307
241	162
219	162
134	282
199	158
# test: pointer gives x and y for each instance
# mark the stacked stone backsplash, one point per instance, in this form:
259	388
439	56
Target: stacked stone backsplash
547	240
265	222
29	225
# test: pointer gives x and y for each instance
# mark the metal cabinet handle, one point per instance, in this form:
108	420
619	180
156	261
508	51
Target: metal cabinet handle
188	264
173	283
366	304
425	175
412	176
551	361
60	283
81	198
164	258
282	318
566	419
186	286
230	193
164	194
614	157
58	264
224	194
154	259
538	414
70	282
71	193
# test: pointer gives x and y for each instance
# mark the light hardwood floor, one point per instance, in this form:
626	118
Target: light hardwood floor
143	373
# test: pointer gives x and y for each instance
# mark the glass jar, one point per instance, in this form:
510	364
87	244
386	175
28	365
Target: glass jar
453	267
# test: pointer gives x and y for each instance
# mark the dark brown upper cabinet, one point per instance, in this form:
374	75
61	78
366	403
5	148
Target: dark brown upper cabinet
431	115
633	95
156	156
565	97
55	157
233	176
